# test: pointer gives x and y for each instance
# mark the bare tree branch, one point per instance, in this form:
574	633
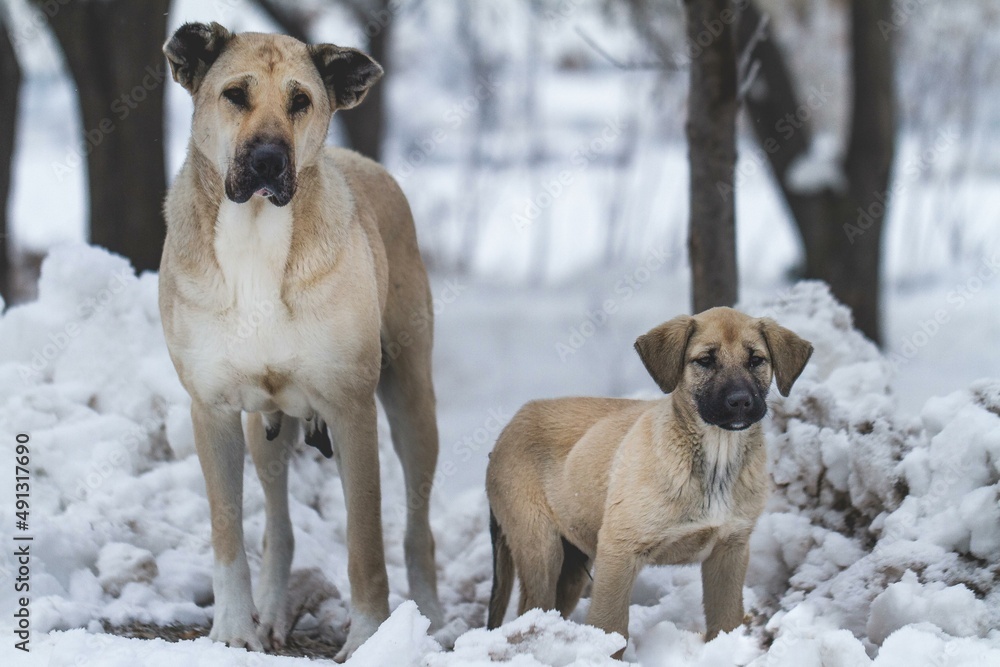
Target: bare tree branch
601	51
747	66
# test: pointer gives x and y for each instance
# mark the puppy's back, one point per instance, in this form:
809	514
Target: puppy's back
540	436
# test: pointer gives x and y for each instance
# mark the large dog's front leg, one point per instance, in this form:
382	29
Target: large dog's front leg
615	570
270	450
722	576
219	441
353	426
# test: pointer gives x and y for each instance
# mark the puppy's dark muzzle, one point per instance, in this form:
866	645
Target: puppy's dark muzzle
734	408
262	168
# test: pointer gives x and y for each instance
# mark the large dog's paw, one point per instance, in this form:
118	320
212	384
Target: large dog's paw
238	630
362	628
275	621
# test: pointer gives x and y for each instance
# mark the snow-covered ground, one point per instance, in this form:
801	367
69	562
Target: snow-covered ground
880	541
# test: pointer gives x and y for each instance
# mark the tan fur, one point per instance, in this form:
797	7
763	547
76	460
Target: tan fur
625	483
293	330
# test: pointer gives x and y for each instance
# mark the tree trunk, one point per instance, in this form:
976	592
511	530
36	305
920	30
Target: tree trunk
112	49
841	229
869	162
711	133
10	83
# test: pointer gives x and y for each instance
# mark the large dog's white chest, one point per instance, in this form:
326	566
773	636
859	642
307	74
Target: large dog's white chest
252	251
245	348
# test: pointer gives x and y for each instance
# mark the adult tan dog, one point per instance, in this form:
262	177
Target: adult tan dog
287	268
625	483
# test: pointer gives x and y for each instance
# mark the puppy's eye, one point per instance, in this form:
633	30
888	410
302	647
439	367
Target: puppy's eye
705	362
756	361
237	96
300	103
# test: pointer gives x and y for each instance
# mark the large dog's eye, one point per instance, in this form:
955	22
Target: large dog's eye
706	361
300	103
237	96
756	361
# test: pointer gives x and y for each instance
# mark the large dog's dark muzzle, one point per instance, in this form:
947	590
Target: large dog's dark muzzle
265	168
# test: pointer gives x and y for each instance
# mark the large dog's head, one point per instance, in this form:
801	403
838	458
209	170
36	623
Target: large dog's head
724	360
263	102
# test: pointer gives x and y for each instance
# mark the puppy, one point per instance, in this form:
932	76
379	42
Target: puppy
623	483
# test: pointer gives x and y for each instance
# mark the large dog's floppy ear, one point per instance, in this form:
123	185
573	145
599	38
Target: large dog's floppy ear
663	348
192	50
347	73
789	353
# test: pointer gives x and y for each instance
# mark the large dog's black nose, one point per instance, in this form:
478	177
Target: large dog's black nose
269	161
739	400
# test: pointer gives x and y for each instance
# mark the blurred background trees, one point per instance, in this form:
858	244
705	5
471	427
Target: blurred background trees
112	48
10	85
538	139
840	211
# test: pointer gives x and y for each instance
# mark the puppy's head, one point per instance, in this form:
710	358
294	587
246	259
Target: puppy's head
724	361
263	102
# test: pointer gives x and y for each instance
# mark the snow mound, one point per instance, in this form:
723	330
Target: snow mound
535	639
881	540
877	521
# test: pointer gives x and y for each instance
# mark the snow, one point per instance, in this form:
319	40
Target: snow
820	168
880	543
882	523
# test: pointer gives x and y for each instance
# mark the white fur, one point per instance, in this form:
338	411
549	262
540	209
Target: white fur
722	458
243	330
252	251
723	453
234	608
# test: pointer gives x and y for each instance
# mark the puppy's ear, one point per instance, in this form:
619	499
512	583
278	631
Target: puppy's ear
662	351
192	50
347	73
789	353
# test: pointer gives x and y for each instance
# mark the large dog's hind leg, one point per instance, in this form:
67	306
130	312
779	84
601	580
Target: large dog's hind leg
352	422
270	458
408	398
219	441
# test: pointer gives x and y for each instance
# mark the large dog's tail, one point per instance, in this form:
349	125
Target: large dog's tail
503	575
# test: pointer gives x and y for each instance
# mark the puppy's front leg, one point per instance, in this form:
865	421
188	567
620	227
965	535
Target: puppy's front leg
355	437
218	436
615	570
722	576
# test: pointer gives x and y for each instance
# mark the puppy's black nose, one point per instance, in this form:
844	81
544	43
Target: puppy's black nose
739	400
269	160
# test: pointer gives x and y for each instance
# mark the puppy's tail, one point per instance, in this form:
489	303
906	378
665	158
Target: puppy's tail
503	575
